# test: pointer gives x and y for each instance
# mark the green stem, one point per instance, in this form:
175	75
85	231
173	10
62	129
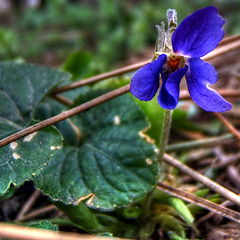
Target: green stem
166	126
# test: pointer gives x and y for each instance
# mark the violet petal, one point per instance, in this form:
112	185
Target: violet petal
145	82
199	33
169	93
198	77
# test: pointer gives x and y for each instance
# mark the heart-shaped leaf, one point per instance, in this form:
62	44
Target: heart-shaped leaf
22	87
113	166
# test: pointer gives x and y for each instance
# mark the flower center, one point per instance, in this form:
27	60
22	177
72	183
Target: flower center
175	62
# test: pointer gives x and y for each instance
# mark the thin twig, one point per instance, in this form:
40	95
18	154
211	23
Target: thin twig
62	99
176	192
233	175
184	95
222	50
97	100
217	52
64	115
100	77
28	204
203	143
228	160
38	212
211	214
229	39
11	231
71	112
228	125
203	179
232	172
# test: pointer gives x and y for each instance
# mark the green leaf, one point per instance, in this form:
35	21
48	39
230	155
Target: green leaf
170	223
112	167
93	221
181	209
174	236
79	65
22	87
25	158
43	224
154	113
49	108
83	217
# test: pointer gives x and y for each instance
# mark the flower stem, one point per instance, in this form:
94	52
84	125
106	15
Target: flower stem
166	126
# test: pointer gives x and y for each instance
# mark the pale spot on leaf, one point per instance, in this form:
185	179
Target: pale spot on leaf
55	147
149	161
117	120
16	156
13	145
89	197
146	137
90	200
156	150
29	137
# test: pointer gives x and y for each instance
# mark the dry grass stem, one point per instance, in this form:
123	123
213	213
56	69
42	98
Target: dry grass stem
202	179
28	204
101	76
62	99
229	45
11	231
64	115
228	125
221	210
38	212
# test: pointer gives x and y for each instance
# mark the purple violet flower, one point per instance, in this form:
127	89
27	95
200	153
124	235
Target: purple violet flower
197	35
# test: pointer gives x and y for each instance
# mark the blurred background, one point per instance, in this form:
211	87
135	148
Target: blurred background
102	34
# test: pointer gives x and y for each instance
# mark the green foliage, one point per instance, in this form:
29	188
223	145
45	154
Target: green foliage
167	209
43	224
110	30
9	44
83	217
81	65
181	119
22	88
96	167
154	114
98	222
105	167
181	209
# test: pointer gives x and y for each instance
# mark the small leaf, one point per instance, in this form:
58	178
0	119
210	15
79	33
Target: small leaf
79	65
181	209
22	87
22	159
43	224
170	223
113	167
174	236
83	217
154	114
